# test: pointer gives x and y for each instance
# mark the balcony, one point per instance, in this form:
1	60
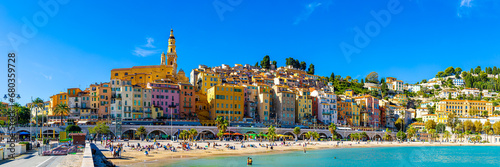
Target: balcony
140	111
119	96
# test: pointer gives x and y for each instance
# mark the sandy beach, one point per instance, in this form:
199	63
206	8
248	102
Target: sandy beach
161	157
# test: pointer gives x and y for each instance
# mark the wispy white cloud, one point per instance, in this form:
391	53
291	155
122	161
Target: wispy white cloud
308	10
49	77
143	51
150	43
466	3
464	8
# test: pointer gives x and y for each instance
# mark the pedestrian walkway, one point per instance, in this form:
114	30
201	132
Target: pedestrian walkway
32	159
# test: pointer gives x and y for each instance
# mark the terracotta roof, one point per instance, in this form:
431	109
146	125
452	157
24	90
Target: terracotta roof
467	100
120	69
418	124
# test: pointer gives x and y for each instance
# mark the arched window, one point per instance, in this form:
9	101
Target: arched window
171	49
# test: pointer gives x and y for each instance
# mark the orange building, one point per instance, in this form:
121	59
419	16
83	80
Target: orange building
104	100
187	102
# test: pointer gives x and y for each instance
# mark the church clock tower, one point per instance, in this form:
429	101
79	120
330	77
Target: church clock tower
171	53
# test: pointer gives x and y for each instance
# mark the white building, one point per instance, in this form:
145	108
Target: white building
327	106
425	104
121	98
421	111
430	84
447	92
458	82
413	88
470	92
428	117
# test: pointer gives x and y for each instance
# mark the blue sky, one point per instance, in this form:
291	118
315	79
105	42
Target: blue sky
83	40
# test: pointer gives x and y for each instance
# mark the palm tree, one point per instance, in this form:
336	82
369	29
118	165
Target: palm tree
308	135
183	135
447	135
487	130
193	133
315	135
3	109
222	125
39	104
332	129
490	133
467	133
296	131
433	133
411	132
141	131
271	133
61	109
461	136
387	134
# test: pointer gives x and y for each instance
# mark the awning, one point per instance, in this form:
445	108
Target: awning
52	122
236	134
82	122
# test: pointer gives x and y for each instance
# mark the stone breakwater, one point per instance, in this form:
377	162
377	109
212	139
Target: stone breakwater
99	158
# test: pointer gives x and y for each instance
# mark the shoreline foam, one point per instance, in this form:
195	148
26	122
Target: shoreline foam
162	157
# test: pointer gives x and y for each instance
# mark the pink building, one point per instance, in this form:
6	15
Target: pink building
372	108
164	95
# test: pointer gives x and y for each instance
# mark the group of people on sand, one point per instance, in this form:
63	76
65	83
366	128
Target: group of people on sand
116	150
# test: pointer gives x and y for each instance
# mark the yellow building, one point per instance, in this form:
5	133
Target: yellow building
47	108
258	80
465	107
264	104
428	117
157	112
201	105
303	108
208	80
401	98
355	116
348	93
61	98
94	98
167	70
226	101
137	105
442	116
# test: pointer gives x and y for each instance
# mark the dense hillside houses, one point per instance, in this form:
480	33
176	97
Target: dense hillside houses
265	95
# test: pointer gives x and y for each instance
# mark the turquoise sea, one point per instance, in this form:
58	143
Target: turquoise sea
380	156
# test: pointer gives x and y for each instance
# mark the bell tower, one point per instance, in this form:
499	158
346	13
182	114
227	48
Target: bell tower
171	53
163	59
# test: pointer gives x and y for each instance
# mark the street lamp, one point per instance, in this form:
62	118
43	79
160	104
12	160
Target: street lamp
171	107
